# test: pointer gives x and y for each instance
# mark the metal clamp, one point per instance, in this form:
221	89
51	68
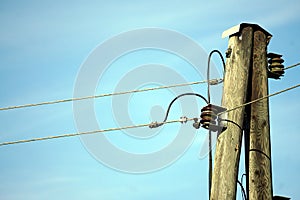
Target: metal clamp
183	119
155	124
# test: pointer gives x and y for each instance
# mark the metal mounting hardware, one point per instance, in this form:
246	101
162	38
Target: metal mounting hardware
196	123
183	119
228	52
276	68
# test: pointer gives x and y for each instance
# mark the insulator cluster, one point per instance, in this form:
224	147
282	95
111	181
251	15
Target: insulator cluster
209	115
276	68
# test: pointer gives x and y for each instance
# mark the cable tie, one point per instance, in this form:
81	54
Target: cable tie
183	119
155	124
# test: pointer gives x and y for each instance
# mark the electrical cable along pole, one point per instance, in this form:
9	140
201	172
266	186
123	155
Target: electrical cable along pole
246	79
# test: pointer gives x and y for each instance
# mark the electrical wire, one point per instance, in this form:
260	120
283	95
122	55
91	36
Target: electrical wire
248	103
182	120
179	96
213	82
246	194
292	66
158	124
259	99
208	69
243	177
240	183
261	152
243	190
227	120
208	97
140	125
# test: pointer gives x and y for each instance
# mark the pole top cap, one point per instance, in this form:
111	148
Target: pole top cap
237	29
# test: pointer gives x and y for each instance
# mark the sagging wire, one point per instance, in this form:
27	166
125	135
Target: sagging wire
212	82
142	125
158	124
209	82
208	97
181	120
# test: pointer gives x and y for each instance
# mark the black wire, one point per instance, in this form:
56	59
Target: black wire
181	95
241	185
227	120
243	190
242	177
208	70
208	96
246	183
261	152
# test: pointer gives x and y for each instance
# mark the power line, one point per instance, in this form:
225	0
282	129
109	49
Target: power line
182	120
292	66
212	82
259	99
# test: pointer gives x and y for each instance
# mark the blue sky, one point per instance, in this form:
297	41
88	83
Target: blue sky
42	47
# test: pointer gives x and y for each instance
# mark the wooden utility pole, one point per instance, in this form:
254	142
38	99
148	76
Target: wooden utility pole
227	156
245	79
260	175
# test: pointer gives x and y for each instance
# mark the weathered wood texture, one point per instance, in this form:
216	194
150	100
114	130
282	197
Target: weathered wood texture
228	147
260	177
